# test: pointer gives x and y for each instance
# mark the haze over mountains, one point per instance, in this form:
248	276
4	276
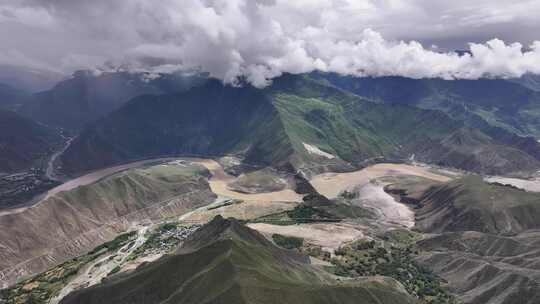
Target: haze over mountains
31	80
11	97
84	98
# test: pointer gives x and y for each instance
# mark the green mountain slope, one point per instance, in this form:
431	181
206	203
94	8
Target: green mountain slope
483	238
23	143
530	81
349	127
225	262
472	150
10	97
471	204
513	105
298	120
211	119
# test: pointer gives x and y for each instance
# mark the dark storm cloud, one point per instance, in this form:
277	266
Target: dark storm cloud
261	39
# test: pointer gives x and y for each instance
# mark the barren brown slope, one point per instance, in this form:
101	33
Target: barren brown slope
69	223
483	268
484	238
471	204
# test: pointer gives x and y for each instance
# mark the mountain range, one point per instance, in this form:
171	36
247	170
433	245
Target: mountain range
509	104
24	143
478	238
86	97
487	126
482	237
226	262
274	126
31	80
11	97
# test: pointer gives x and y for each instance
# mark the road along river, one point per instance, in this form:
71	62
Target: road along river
85	180
218	183
328	184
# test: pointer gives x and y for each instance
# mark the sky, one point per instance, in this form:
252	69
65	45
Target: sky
258	40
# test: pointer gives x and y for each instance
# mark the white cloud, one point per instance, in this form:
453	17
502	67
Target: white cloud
261	39
30	16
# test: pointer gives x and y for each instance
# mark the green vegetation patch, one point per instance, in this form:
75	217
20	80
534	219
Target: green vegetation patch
281	218
41	288
114	270
287	242
315	251
350	211
334	211
343	207
348	195
301	214
233	253
175	171
372	258
401	237
115	244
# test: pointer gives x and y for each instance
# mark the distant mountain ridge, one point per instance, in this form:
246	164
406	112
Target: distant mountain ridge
512	104
24	143
275	125
482	238
10	97
86	97
30	80
530	81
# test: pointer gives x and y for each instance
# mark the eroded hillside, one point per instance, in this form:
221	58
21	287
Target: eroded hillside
71	222
483	238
